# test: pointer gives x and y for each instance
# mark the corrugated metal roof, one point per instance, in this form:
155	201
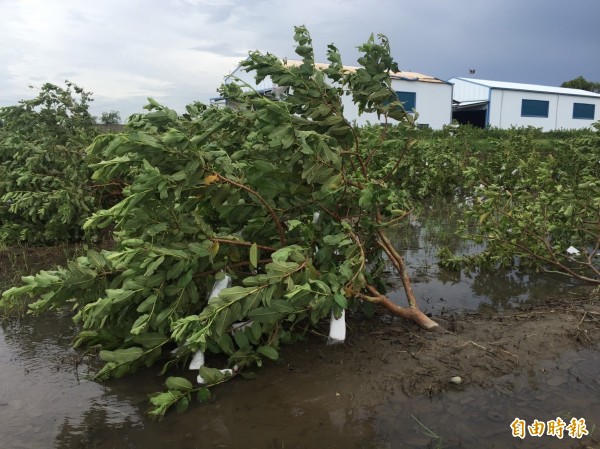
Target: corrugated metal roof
529	87
407	76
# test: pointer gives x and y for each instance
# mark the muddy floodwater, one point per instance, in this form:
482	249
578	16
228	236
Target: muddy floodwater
518	346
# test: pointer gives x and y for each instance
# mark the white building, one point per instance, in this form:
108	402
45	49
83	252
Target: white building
504	105
430	97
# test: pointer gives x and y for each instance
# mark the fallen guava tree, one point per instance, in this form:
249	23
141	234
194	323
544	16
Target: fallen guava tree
273	194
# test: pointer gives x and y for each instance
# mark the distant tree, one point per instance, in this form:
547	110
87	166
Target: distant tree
110	118
581	83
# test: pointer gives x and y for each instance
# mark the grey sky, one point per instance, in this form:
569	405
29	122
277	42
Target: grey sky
178	51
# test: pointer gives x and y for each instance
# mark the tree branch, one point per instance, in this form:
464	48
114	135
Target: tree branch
400	159
272	213
409	313
241	243
235	265
398	262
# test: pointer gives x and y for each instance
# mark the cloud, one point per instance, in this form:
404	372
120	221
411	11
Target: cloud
179	50
221	49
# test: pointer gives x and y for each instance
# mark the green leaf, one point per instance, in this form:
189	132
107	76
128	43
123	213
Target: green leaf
154	265
254	256
179	384
292	224
366	197
268	352
201	249
179	176
218	198
164	314
380	95
212	376
221	322
256	329
96	258
185	279
341	300
264	315
283	306
214	250
569	210
235	293
162	401
203	395
147	304
281	268
140	324
241	340
150	339
122	355
182	404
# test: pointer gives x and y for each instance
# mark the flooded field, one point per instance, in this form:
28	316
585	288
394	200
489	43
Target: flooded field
441	290
389	386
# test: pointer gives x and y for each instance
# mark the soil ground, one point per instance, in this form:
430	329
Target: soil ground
387	354
477	348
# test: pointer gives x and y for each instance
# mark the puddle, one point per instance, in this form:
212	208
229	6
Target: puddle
44	403
569	387
441	290
308	400
42	389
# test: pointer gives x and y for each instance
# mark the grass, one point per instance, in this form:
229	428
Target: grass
436	440
19	260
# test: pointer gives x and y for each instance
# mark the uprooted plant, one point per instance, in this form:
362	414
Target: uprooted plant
275	194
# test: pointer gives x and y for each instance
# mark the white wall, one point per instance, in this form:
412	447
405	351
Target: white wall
433	104
505	110
433	100
565	118
467	91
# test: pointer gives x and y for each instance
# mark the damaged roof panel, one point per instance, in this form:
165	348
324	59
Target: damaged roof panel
402	75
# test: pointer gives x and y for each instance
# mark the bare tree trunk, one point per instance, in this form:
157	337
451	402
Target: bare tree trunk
413	312
410	313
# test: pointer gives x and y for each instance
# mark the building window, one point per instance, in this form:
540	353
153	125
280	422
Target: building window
534	108
584	110
408	100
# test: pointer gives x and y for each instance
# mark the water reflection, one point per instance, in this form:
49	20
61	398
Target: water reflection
46	402
99	426
43	386
43	405
421	238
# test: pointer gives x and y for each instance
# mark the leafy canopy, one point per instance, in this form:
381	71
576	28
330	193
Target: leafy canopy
235	190
110	118
581	83
44	193
534	203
